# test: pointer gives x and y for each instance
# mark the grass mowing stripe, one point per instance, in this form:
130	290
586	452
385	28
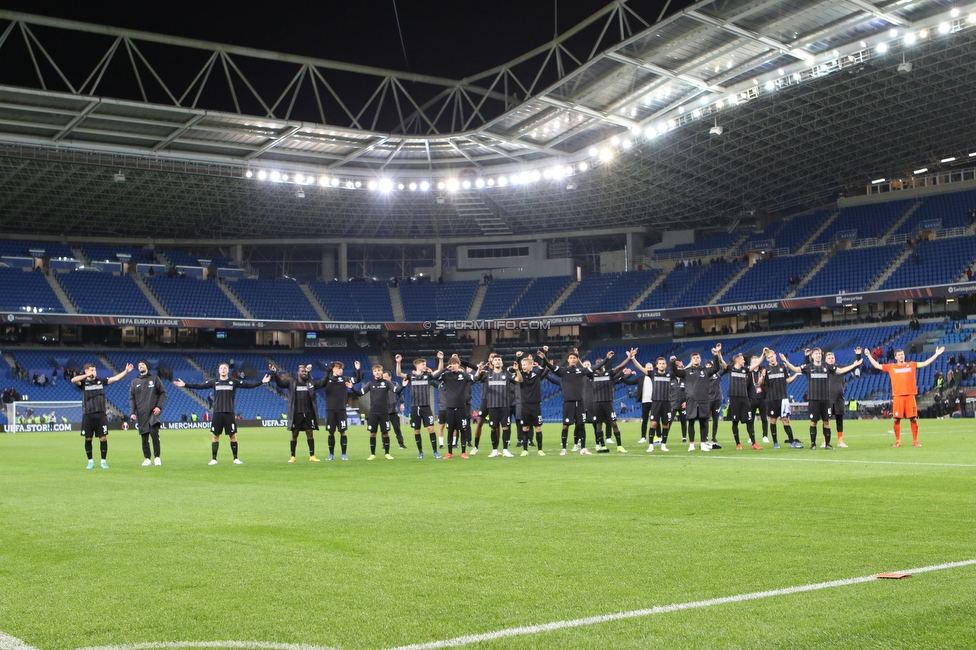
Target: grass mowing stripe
257	645
840	460
661	609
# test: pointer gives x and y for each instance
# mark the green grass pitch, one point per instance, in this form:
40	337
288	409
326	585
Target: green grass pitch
379	554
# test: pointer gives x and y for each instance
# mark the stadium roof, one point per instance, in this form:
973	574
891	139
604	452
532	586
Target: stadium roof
808	95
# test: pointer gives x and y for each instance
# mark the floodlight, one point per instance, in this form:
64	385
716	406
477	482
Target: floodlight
275	176
592	152
923	33
971	19
358	184
349	185
770	85
310	180
877	181
299	178
949	159
262	174
386	185
413	187
452	184
490	182
335	182
424	185
882	48
466	185
910	38
502	181
371	185
568	171
324	181
650	132
248	174
920	171
583	166
606	154
284	178
535	175
893	33
440	185
944	28
704	100
557	172
547	173
627	144
615	141
479	183
954	13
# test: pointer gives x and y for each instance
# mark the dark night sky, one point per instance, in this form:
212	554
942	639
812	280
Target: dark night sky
450	38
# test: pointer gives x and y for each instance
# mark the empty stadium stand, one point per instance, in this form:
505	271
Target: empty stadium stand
95	292
354	301
768	279
191	297
274	299
26	289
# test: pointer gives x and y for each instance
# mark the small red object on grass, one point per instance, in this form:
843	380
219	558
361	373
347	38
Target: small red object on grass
893	576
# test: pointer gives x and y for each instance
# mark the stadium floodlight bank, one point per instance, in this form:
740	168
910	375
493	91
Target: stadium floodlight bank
31	415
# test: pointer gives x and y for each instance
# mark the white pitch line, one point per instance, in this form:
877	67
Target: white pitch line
798	459
663	609
244	645
8	642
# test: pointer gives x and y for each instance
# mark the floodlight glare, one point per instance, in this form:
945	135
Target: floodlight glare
920	171
349	185
592	152
490	182
893	33
704	100
386	185
262	174
949	159
878	180
413	187
557	172
770	85
909	38
284	178
627	144
299	178
502	181
882	48
535	176
310	180
452	184
615	141
424	186
324	181
248	174
944	28
971	19
954	13
466	185
923	33
568	171
275	176
583	166
358	184
547	173
606	154
335	182
371	185
650	132
440	185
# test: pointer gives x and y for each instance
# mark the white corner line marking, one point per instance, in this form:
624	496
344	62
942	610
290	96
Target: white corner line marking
663	609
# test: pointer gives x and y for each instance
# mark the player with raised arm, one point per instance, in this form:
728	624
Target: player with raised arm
223	420
302	405
572	376
697	395
777	399
903	389
94	419
654	388
421	411
837	405
529	379
396	407
496	403
678	404
757	397
147	396
739	408
456	382
818	390
337	388
603	380
378	418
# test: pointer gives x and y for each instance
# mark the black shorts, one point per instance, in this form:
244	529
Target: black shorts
838	406
760	406
602	413
457	419
531	415
715	406
379	421
304	422
442	416
573	413
819	410
421	416
335	420
499	417
223	422
740	410
774	409
94	425
482	413
660	412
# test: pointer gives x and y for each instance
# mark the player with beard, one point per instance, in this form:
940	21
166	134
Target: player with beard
496	403
336	397
224	418
715	401
302	405
777	399
378	419
602	382
757	397
529	377
655	390
572	375
456	384
94	419
421	413
697	395
739	407
147	396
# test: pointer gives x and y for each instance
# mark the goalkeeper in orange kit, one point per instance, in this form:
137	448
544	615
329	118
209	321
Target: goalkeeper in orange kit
904	389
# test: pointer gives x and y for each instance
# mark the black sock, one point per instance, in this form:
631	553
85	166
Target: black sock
145	445
294	445
840	424
580	434
495	437
772	430
524	440
684	425
372	445
826	433
233	448
342	442
88	448
155	443
103	447
788	428
433	442
386	444
714	426
213	449
311	446
813	434
751	430
735	431
506	436
419	441
538	440
664	434
565	436
331	444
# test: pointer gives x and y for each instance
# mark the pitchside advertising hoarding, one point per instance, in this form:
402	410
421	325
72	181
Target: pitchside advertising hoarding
352	418
541	322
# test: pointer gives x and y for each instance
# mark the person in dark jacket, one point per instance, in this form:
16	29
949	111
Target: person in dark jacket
302	407
147	397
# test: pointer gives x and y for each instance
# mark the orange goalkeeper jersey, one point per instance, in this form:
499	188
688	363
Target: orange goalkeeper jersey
902	377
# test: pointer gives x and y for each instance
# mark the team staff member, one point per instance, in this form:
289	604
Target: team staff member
904	389
302	407
225	391
697	395
336	396
147	396
94	419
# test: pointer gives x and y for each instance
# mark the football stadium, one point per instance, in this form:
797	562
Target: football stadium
614	324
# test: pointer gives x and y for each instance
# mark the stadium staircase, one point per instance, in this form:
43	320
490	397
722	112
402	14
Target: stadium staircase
479	297
816	233
121	411
316	305
397	304
816	268
196	366
59	291
150	296
654	285
9	358
518	297
234	299
471	207
902	219
905	254
162	259
79	255
562	298
728	285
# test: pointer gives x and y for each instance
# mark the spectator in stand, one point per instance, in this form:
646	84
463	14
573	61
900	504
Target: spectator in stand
969	273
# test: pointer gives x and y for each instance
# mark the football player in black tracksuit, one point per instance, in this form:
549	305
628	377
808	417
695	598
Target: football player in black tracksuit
818	391
421	411
336	397
224	418
715	402
496	403
697	395
678	404
457	383
379	409
572	376
147	396
302	406
757	397
94	421
740	410
396	410
777	398
602	382
529	378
